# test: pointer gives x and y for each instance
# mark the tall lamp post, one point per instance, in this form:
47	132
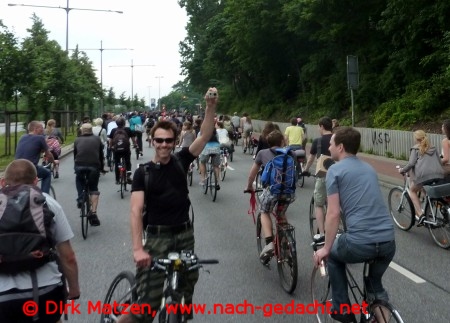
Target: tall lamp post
149	97
159	90
101	49
132	76
67	9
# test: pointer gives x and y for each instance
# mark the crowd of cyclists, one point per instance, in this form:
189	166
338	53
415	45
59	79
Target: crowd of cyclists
370	232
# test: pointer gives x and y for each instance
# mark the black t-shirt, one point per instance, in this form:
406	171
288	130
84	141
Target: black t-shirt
167	200
325	145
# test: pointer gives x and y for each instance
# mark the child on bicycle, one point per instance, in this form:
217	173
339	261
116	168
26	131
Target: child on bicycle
268	201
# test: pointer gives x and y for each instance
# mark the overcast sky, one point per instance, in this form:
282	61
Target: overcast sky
152	28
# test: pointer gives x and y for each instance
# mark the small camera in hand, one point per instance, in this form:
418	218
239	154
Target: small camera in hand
212	94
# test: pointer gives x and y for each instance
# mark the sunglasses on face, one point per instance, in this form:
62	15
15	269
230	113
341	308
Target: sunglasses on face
166	140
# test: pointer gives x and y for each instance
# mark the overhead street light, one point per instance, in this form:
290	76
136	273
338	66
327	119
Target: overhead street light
101	49
132	68
159	90
67	9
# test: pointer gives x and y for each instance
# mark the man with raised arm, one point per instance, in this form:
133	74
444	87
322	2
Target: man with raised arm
352	186
166	219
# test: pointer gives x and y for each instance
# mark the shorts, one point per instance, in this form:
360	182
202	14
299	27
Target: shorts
320	192
215	159
11	311
247	131
268	201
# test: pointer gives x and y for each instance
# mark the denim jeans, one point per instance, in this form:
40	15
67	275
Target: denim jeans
343	252
46	178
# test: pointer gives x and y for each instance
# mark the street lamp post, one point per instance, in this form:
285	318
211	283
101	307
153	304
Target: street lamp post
159	90
101	49
149	98
132	67
67	9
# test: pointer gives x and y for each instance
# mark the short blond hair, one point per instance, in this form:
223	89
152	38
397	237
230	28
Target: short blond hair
20	171
98	121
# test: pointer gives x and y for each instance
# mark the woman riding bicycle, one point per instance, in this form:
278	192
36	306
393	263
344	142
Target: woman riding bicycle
211	148
425	163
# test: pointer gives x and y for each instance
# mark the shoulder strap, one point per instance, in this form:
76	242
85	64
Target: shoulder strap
100	132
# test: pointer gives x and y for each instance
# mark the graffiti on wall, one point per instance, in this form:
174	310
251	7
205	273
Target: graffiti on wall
380	138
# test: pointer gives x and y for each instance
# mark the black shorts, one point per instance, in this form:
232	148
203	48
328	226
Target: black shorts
13	312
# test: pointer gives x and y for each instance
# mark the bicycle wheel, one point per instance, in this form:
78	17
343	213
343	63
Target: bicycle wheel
260	239
287	259
312	219
382	311
213	184
84	212
121	291
401	208
207	180
440	228
321	293
52	192
300	177
171	317
251	148
123	183
223	170
231	156
189	176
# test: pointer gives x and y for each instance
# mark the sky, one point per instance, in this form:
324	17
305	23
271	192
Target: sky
151	28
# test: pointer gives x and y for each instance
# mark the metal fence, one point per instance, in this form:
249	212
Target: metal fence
389	143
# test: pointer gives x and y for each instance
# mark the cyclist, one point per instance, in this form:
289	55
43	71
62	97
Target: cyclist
30	147
352	186
268	201
294	135
52	131
55	149
124	151
187	135
211	148
223	137
136	128
262	142
236	121
88	155
320	147
16	290
169	228
427	168
246	127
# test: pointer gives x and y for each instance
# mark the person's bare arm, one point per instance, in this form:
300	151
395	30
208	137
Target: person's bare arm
69	267
207	127
445	151
252	175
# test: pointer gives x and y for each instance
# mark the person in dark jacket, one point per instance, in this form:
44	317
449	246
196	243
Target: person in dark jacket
88	155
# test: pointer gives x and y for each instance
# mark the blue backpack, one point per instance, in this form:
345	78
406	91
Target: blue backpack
279	173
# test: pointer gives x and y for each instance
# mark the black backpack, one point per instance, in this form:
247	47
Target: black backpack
120	141
26	226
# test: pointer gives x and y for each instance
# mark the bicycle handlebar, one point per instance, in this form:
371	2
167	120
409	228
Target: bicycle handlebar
187	259
253	191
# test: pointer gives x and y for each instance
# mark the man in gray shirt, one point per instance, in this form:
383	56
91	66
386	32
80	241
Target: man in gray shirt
352	186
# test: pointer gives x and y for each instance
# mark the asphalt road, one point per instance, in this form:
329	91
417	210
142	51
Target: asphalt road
225	231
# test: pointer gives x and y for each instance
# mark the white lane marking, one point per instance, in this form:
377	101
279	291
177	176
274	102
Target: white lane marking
229	167
405	272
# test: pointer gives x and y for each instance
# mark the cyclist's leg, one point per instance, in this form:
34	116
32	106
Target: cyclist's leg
46	178
375	289
117	157
202	167
139	140
79	181
216	164
94	176
268	202
186	241
320	197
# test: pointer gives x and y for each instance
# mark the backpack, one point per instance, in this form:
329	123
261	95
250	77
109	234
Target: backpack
150	123
120	141
279	173
26	229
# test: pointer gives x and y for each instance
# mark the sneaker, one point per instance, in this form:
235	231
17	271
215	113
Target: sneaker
421	220
56	175
93	219
245	150
79	203
217	187
266	253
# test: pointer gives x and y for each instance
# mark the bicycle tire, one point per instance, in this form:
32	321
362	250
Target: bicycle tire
213	184
401	208
126	295
189	177
251	149
313	228
300	177
440	231
123	183
207	180
52	192
231	156
260	241
287	261
84	212
223	170
383	311
321	293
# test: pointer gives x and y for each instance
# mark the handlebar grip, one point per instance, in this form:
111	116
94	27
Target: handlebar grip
208	261
248	191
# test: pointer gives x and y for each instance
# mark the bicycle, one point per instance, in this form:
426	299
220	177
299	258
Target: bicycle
376	310
122	177
210	182
52	190
313	227
174	266
252	142
49	166
284	244
85	207
190	173
300	159
436	206
223	162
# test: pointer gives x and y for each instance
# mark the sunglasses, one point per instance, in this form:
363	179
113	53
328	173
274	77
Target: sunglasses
166	140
